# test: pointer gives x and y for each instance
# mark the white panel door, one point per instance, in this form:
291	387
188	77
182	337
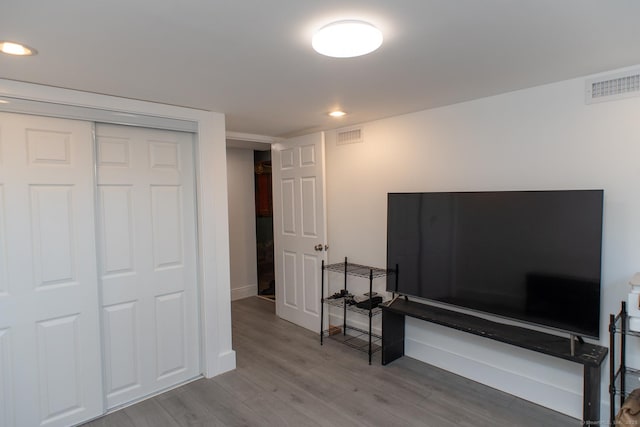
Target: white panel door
299	227
147	253
50	367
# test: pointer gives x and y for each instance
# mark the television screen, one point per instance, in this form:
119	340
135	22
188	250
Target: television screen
532	256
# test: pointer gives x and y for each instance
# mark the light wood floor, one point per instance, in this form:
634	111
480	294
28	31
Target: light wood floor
285	378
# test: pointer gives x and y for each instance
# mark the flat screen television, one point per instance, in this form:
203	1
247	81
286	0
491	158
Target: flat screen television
532	256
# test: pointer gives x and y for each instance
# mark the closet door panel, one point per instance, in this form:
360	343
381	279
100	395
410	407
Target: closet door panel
121	349
6	395
52	241
148	260
117	229
50	359
170	333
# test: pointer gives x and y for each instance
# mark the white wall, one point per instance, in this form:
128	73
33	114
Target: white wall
242	223
539	138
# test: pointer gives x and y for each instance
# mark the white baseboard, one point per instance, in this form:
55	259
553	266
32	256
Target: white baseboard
549	395
548	381
226	362
244	292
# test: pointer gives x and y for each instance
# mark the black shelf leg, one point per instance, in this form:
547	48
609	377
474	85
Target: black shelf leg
321	302
623	351
591	395
612	368
370	304
344	310
392	336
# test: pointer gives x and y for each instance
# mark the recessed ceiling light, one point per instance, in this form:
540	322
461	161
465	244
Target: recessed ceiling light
346	39
11	48
3	101
337	114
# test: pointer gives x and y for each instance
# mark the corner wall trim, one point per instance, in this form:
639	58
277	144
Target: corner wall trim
226	363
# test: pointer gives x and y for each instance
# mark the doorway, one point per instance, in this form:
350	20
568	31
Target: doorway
264	225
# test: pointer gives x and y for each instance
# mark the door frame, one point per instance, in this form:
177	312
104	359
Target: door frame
211	190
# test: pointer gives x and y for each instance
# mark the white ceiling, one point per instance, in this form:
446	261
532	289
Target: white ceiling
252	59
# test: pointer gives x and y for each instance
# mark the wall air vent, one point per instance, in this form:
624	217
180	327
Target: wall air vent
350	135
613	87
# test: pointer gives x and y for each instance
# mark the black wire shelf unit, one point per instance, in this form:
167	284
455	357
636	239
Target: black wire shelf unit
357	338
622	379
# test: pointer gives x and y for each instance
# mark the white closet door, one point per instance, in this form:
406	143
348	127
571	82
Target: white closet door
147	260
50	368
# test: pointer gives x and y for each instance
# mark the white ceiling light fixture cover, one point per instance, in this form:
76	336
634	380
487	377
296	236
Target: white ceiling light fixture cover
11	48
346	39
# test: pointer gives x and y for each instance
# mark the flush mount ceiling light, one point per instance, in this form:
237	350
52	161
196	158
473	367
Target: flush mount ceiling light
346	39
11	48
337	114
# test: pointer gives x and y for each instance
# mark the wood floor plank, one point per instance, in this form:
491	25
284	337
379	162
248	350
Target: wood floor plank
241	388
274	410
117	419
278	413
294	391
222	405
186	411
149	413
377	408
285	378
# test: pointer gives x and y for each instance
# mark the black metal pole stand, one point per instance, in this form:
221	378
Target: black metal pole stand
370	304
344	309
322	302
612	367
623	351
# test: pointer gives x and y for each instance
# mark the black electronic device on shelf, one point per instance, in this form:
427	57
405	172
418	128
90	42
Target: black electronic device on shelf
531	256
